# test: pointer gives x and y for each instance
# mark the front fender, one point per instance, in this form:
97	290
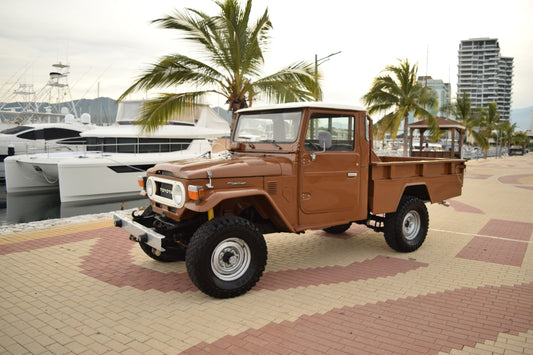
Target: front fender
216	198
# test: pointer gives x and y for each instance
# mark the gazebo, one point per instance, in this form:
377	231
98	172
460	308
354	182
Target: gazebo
457	132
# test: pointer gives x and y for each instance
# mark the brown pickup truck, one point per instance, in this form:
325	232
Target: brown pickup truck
289	168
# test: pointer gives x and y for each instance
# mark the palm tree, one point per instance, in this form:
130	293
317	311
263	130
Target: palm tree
232	47
521	139
507	131
398	91
487	122
471	118
463	113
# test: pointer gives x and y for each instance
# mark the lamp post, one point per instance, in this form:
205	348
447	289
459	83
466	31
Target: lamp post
320	61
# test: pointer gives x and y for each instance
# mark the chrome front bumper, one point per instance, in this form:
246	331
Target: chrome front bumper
140	233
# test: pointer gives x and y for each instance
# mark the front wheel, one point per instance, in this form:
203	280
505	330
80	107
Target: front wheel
406	229
226	257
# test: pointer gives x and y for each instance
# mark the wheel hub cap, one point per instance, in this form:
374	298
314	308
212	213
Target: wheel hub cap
411	225
230	259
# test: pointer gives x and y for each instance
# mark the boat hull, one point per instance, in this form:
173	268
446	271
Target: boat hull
30	173
89	176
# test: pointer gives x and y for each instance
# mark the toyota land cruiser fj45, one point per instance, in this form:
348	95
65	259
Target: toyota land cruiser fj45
290	168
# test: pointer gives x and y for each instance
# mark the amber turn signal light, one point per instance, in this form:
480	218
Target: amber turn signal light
141	180
196	193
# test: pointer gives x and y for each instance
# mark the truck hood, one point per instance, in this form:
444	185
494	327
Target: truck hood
226	168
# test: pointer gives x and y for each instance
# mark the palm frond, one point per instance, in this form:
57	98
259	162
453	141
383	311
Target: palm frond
174	70
161	110
294	83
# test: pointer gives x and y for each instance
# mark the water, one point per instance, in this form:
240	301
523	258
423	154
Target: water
41	206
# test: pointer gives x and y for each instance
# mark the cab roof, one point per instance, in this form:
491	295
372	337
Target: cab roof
301	105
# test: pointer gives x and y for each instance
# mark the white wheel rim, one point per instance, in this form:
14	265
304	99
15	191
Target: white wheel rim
411	225
230	259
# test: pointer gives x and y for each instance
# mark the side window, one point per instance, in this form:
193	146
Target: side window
33	135
340	127
58	133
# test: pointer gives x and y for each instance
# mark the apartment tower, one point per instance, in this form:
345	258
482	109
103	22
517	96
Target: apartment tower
443	91
485	75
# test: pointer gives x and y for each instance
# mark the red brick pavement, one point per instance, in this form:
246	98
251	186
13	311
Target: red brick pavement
497	251
110	261
513	179
508	229
463	207
422	325
504	251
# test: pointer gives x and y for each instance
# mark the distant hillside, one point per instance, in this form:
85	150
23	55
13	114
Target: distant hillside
522	117
103	110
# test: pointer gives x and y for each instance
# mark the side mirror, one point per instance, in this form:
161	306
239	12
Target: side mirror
324	140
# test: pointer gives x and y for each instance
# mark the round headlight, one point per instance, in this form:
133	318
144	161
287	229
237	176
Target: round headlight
178	194
150	187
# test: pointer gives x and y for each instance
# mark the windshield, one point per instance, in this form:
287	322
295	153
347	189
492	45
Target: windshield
278	127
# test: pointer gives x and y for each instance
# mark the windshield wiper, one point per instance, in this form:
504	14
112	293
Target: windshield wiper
248	143
273	142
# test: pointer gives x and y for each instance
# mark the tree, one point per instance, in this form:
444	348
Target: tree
487	122
521	139
232	48
463	113
398	91
507	131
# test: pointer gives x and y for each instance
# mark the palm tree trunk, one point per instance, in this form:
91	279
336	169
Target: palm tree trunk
405	140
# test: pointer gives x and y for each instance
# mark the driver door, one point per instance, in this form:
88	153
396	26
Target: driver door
329	170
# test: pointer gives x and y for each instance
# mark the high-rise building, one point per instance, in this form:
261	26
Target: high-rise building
443	91
485	75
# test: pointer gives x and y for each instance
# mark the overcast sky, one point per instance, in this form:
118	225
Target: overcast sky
111	41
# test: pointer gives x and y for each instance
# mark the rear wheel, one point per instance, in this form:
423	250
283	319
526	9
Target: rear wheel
406	229
226	257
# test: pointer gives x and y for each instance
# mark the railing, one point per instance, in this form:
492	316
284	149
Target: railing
103	148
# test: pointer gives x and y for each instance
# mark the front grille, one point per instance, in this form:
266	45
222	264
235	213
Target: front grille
164	190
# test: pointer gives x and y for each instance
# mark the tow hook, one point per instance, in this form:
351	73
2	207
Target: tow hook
444	203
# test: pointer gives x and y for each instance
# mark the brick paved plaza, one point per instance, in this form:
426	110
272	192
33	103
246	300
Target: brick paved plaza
87	289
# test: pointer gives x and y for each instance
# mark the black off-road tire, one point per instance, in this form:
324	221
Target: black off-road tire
167	256
226	256
406	229
338	229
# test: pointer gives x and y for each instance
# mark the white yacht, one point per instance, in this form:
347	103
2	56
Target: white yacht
108	165
41	137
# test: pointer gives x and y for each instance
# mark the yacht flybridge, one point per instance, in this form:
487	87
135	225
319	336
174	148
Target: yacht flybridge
108	165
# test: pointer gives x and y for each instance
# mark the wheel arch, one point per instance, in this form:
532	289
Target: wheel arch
235	202
420	190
